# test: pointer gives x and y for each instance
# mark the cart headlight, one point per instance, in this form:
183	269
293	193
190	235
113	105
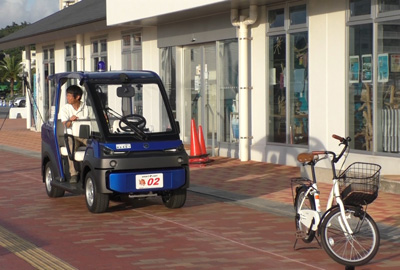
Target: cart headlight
177	149
107	151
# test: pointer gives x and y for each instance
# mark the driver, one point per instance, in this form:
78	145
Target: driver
72	111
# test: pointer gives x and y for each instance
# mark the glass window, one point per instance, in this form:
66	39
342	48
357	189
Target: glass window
299	88
99	55
229	91
288	81
168	74
388	5
68	51
277	89
70	57
360	7
388	87
132	51
360	86
49	69
137	51
276	18
95	47
298	15
103	43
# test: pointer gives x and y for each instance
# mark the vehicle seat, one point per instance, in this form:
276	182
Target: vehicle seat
80	129
115	127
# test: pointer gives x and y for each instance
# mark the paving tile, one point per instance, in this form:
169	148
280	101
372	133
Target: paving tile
208	233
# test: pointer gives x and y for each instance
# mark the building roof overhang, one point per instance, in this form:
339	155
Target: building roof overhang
84	16
200	11
90	15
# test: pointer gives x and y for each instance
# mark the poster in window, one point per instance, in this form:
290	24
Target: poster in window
383	67
395	63
354	69
366	68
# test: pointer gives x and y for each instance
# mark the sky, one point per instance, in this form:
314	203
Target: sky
29	11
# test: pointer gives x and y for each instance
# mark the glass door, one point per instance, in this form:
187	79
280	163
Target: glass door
200	92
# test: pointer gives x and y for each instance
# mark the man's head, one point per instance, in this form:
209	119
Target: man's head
75	91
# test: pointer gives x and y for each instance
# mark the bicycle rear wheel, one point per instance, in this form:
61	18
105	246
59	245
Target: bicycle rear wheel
309	203
351	250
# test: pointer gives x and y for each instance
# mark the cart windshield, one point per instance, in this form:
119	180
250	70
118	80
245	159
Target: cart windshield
136	109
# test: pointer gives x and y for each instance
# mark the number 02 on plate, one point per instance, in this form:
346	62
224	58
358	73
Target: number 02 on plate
145	181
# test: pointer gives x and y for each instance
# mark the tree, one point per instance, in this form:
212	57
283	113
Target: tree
9	30
9	70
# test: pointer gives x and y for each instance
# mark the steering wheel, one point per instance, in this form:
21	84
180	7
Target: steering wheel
134	119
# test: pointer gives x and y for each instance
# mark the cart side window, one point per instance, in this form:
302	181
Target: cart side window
86	114
50	104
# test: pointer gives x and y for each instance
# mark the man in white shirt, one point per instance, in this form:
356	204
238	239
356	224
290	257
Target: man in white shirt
71	112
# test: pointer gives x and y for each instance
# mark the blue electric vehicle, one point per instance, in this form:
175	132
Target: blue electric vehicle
133	147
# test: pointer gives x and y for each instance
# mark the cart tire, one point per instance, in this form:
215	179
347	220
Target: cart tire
96	202
174	198
48	177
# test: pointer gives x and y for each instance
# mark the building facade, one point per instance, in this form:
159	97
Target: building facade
266	79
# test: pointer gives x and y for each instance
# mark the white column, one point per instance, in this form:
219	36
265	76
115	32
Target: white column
244	142
244	128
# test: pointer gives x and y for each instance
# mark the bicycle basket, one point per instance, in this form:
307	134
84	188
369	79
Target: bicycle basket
359	183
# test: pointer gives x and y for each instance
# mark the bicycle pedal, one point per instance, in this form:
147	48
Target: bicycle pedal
300	235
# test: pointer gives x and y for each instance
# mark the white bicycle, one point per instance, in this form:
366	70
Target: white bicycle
348	234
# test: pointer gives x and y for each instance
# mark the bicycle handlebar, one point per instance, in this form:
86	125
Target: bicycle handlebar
337	137
345	142
335	158
313	157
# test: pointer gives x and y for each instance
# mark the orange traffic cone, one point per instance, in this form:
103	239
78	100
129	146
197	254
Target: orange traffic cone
205	158
195	150
201	140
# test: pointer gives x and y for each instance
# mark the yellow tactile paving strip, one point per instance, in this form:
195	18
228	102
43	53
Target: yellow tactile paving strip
30	253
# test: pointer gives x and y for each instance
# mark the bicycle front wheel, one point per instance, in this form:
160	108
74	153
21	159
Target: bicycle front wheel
350	249
309	204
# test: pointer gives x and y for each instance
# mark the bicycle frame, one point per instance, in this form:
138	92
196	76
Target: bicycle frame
314	217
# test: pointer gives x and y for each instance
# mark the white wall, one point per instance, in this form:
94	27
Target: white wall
327	47
151	54
259	82
120	11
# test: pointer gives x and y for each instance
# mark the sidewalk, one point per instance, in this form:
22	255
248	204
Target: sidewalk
252	184
15	134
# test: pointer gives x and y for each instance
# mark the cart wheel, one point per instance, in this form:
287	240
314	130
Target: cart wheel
52	192
96	202
174	198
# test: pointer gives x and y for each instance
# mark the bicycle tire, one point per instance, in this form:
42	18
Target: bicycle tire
357	249
309	203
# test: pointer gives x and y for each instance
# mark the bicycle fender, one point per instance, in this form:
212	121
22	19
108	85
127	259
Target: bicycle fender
346	206
324	215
